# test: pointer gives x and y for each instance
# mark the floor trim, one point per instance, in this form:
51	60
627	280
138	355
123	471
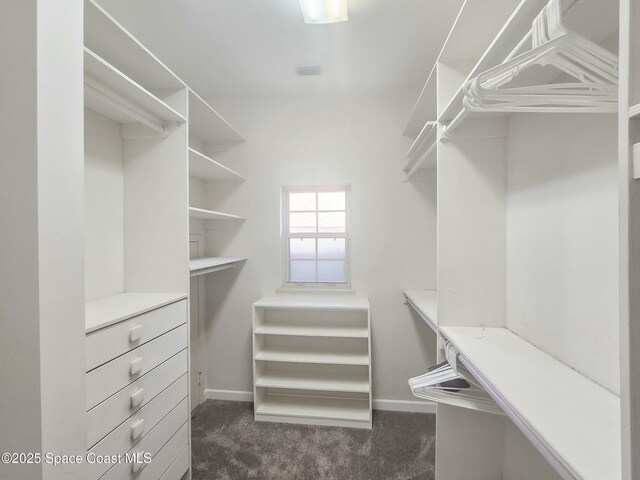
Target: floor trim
236	395
414	406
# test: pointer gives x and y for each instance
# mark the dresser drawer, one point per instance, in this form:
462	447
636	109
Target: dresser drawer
104	381
178	467
111	342
165	465
153	442
134	429
112	412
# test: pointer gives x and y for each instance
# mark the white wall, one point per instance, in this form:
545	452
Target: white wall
562	239
104	207
42	406
326	140
19	325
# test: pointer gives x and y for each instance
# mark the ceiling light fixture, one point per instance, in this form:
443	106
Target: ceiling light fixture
324	11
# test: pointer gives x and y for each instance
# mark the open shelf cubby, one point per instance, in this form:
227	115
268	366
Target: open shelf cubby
312	361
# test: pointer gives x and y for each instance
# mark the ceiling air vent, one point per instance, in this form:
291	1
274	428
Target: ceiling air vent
309	71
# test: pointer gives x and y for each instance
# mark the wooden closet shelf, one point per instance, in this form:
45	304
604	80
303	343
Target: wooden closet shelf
202	266
548	400
320	381
203	214
206	168
425	303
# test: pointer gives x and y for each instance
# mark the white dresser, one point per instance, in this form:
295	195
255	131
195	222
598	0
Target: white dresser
137	387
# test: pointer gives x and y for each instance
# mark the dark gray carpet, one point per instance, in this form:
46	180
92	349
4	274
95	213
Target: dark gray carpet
229	445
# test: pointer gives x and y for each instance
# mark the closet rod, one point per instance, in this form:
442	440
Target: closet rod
105	95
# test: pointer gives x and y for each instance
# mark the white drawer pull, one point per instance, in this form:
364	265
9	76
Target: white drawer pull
136	366
135	333
137	397
138	462
137	428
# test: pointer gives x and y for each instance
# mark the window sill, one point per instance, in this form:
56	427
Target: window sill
287	290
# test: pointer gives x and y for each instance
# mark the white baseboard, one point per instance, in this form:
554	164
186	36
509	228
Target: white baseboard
415	406
236	395
389	405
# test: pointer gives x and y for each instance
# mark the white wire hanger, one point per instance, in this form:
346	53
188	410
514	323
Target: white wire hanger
594	68
594	71
443	385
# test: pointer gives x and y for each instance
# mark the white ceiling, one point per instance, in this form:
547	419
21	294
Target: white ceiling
240	47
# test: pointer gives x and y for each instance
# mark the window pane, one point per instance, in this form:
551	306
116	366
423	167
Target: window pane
302	248
331	200
302	201
302	271
330	222
302	222
331	271
333	248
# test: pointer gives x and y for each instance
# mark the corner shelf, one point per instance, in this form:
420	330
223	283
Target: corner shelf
202	214
202	266
634	111
548	400
425	303
207	125
205	168
111	93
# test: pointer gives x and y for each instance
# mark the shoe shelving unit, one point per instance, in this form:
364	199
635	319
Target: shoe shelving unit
312	360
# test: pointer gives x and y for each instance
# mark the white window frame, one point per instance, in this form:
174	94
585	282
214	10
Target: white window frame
286	236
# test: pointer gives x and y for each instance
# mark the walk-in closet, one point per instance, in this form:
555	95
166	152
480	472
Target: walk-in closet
320	239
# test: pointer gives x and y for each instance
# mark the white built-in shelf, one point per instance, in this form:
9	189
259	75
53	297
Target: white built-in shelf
572	420
423	151
460	52
106	311
202	266
207	125
332	362
315	407
634	111
425	107
111	41
515	28
425	303
313	331
203	214
517	25
111	93
205	168
313	303
320	381
326	356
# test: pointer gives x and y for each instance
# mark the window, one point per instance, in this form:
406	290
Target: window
316	227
